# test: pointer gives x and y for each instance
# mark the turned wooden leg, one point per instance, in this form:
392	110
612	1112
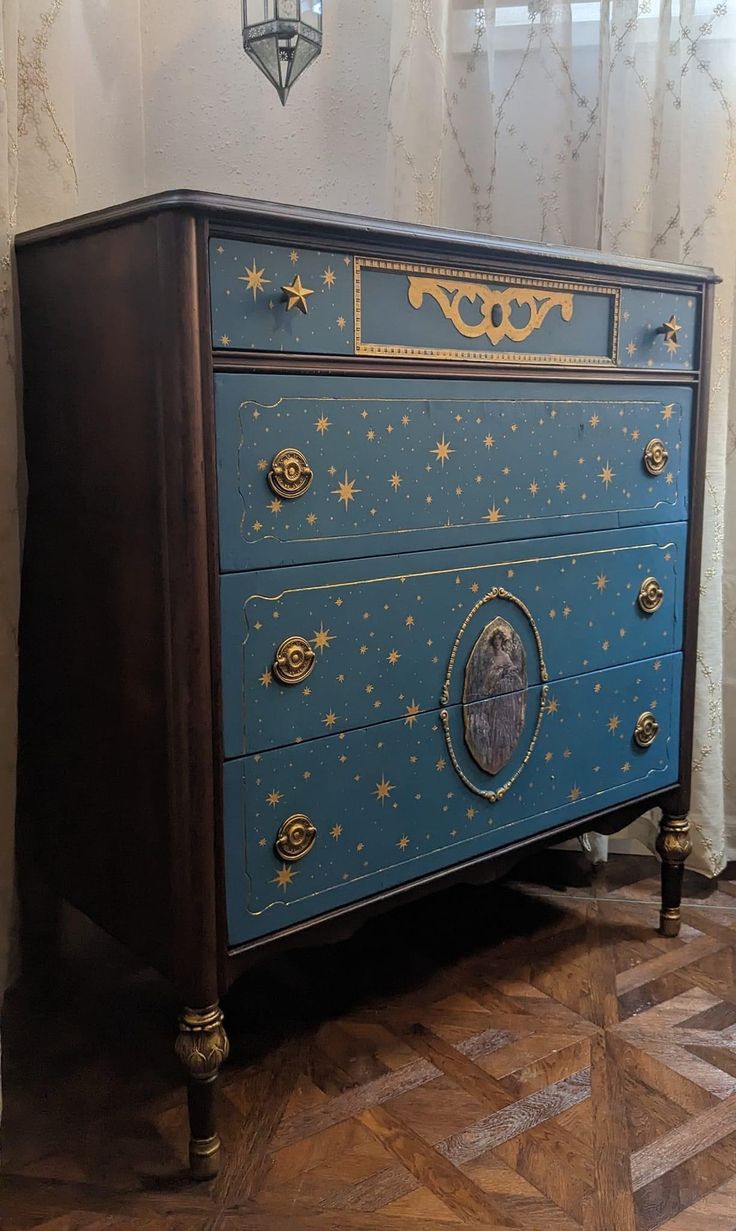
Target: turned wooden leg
673	848
202	1046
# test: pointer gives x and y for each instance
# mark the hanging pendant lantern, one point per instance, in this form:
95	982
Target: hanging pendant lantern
282	37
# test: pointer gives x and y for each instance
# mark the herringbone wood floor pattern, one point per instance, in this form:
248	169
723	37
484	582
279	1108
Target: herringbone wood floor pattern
526	1055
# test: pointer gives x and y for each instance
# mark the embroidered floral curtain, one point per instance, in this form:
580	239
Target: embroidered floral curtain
609	125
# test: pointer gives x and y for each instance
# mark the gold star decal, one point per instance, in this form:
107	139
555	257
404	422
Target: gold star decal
601	582
284	877
411	714
224	340
405	420
275	505
553	706
395	481
311	518
409	621
442	451
293	256
254	279
441	764
322	638
370	434
574	794
266	679
394	657
668	411
328	277
383	789
336	832
471	812
341	322
562	486
613	723
346	490
330	719
322	424
262	463
296	295
489	442
534	487
607	475
594	420
493	515
274	798
625	767
631	348
403	843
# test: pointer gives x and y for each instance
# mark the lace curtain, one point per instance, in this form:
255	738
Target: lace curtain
605	125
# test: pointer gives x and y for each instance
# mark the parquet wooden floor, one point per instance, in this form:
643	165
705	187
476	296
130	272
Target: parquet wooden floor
526	1055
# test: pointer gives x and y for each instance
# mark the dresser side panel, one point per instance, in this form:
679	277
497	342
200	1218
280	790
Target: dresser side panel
109	804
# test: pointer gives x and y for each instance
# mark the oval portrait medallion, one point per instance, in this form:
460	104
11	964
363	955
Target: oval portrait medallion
494	696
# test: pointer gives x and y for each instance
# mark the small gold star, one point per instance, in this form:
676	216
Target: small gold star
224	340
409	621
346	490
257	525
403	843
405	420
601	581
553	706
370	434
631	348
574	794
322	638
411	714
442	451
657	665
668	411
328	277
336	832
441	764
471	812
311	518
296	295
284	877
669	478
341	322
625	767
394	657
322	424
274	798
262	463
594	420
330	719
493	515
613	723
607	475
383	789
395	481
293	256
534	487
275	505
562	486
489	442
266	679
254	279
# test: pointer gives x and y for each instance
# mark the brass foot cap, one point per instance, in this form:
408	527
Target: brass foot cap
204	1158
669	925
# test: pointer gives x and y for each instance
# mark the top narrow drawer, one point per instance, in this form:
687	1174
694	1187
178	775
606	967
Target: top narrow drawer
350	305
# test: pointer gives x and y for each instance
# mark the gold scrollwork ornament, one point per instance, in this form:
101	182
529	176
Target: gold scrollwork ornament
495	306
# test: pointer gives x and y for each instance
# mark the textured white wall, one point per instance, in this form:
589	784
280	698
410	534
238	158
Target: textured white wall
213	122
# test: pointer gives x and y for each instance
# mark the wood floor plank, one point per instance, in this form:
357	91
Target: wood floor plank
690	1139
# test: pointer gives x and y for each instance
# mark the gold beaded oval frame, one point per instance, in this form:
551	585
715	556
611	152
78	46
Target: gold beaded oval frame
493	795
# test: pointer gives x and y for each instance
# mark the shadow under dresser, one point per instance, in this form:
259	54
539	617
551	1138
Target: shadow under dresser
358	555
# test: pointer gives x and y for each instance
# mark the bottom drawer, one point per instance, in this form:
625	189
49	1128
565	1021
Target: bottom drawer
405	798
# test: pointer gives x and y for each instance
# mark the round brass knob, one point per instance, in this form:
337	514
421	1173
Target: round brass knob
656	456
295	838
650	595
646	729
290	475
294	660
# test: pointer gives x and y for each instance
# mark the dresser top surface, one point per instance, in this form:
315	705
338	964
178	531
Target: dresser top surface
273	220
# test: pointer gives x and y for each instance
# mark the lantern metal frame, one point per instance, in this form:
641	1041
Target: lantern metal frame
282	45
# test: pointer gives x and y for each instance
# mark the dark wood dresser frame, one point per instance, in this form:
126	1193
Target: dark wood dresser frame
121	747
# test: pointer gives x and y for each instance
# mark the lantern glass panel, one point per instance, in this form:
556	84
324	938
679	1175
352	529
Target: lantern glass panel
288	10
266	52
312	13
304	53
256	11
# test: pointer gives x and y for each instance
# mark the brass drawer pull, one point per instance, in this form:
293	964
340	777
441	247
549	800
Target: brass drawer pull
294	660
656	456
647	729
295	838
290	475
670	329
650	595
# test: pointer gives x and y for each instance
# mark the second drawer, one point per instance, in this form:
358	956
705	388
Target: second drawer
320	649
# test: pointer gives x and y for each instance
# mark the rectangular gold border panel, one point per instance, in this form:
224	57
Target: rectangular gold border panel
473	356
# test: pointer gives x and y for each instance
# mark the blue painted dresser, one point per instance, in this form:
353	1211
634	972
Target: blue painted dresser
373	553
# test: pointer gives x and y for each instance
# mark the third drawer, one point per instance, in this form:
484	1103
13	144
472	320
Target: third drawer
321	649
